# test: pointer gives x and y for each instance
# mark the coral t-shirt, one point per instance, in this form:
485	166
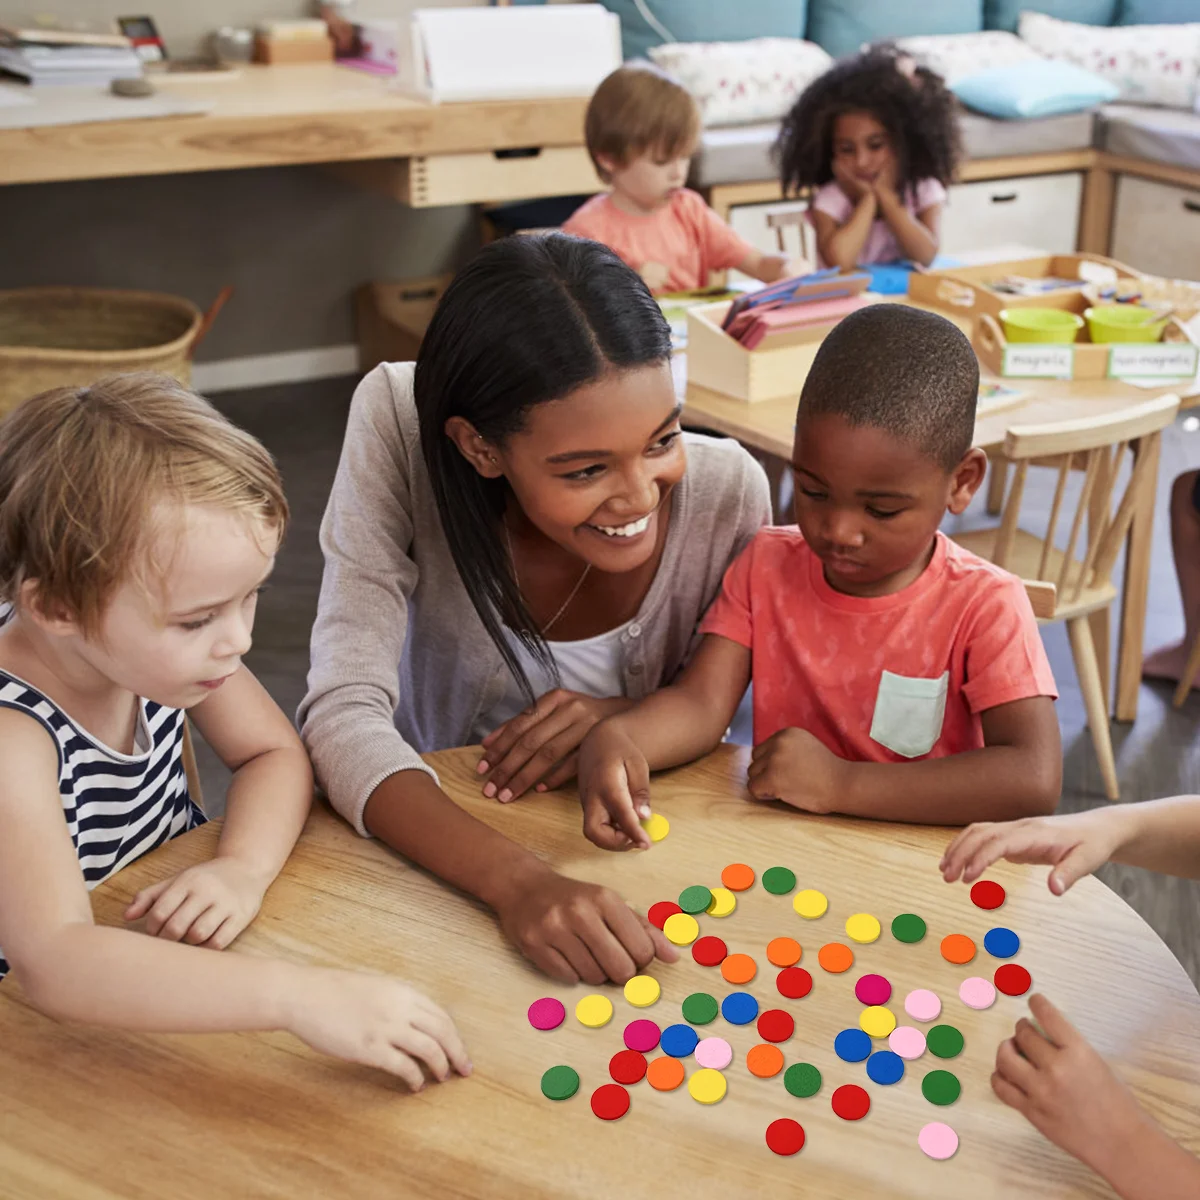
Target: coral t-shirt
881	245
882	678
685	236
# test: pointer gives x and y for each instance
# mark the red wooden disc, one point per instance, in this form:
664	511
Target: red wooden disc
658	914
710	951
628	1066
794	982
850	1102
1012	980
785	1136
986	894
610	1101
775	1025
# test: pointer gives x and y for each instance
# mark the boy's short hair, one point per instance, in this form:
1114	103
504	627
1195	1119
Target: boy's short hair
901	369
82	469
640	107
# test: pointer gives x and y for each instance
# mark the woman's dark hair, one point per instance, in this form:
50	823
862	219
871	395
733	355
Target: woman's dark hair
528	320
915	107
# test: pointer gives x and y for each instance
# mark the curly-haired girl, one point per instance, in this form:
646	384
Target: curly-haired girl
877	139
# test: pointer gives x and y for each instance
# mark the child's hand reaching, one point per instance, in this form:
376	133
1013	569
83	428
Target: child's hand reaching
206	905
796	767
614	789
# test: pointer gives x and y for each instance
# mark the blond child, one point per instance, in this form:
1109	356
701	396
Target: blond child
642	127
895	674
137	527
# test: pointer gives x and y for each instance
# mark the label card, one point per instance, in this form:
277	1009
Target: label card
1038	360
1152	360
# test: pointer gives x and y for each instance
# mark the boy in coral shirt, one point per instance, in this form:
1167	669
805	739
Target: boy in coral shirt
895	674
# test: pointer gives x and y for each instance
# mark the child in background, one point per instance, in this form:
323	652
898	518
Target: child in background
877	138
1169	661
1051	1075
642	127
895	674
137	527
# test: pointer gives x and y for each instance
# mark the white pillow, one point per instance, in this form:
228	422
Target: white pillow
1151	64
956	56
737	83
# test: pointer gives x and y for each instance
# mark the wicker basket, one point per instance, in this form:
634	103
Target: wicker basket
58	337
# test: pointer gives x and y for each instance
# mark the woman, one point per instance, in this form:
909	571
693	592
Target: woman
521	526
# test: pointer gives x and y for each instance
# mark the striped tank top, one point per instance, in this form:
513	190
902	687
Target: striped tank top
117	806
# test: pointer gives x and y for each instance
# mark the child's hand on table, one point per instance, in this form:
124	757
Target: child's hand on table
796	767
614	789
206	905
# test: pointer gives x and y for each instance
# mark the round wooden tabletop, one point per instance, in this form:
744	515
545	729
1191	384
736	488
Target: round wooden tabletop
104	1114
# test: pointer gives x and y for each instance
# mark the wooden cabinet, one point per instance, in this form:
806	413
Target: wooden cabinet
1156	227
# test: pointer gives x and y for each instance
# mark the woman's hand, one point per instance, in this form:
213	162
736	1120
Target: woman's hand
540	746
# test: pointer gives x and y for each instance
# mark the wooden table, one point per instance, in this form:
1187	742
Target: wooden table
102	1115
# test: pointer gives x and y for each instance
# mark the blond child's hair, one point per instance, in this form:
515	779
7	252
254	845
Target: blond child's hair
640	107
82	469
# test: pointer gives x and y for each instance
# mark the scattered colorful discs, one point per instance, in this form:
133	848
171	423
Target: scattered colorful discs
862	927
665	1074
802	1080
907	1042
908	927
986	894
738	968
877	1021
835	958
810	904
873	989
710	951
923	1005
783	952
764	1061
944	1041
778	880
707	1086
739	1008
851	1103
547	1013
977	993
937	1140
785	1136
737	877
560	1083
885	1066
594	1011
695	899
681	928
957	948
794	983
641	1036
642	991
1001	942
775	1025
658	914
610	1101
722	904
627	1066
852	1045
700	1008
678	1040
656	826
714	1052
940	1087
1013	980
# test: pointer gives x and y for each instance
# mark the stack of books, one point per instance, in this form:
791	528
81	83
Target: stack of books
796	310
53	56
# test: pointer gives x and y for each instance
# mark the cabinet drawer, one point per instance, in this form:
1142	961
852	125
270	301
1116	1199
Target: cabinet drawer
1156	228
1031	210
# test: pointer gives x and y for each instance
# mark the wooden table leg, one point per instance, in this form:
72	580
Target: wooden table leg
1101	620
997	481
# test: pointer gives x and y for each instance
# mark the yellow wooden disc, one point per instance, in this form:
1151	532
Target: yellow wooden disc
862	927
707	1086
682	929
656	826
810	903
642	991
594	1011
877	1021
723	903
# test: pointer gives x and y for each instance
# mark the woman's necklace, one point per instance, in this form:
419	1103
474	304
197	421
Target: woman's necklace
512	558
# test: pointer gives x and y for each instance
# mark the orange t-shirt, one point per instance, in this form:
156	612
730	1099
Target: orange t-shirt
685	236
883	678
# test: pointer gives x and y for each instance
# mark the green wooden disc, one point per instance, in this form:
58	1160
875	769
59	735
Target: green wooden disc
700	1008
778	880
940	1087
908	927
560	1083
944	1041
802	1079
695	899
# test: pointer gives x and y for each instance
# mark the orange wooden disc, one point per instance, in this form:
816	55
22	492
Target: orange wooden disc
665	1074
739	968
958	948
764	1061
784	951
737	877
835	958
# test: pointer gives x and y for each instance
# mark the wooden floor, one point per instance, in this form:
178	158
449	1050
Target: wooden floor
1159	755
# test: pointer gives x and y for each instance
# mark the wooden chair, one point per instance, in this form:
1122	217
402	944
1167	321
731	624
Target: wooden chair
782	218
190	769
1081	571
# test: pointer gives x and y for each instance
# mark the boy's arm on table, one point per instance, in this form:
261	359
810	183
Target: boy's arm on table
772	267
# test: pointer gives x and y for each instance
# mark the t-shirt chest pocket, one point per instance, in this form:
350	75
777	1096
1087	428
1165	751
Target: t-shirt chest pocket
909	713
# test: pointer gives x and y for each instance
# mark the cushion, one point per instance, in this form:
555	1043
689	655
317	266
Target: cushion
1151	64
1034	89
955	55
842	26
646	23
1159	134
1003	14
1156	12
739	82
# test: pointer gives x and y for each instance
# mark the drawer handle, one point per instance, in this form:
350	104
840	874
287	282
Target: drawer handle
1004	198
1192	205
518	152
